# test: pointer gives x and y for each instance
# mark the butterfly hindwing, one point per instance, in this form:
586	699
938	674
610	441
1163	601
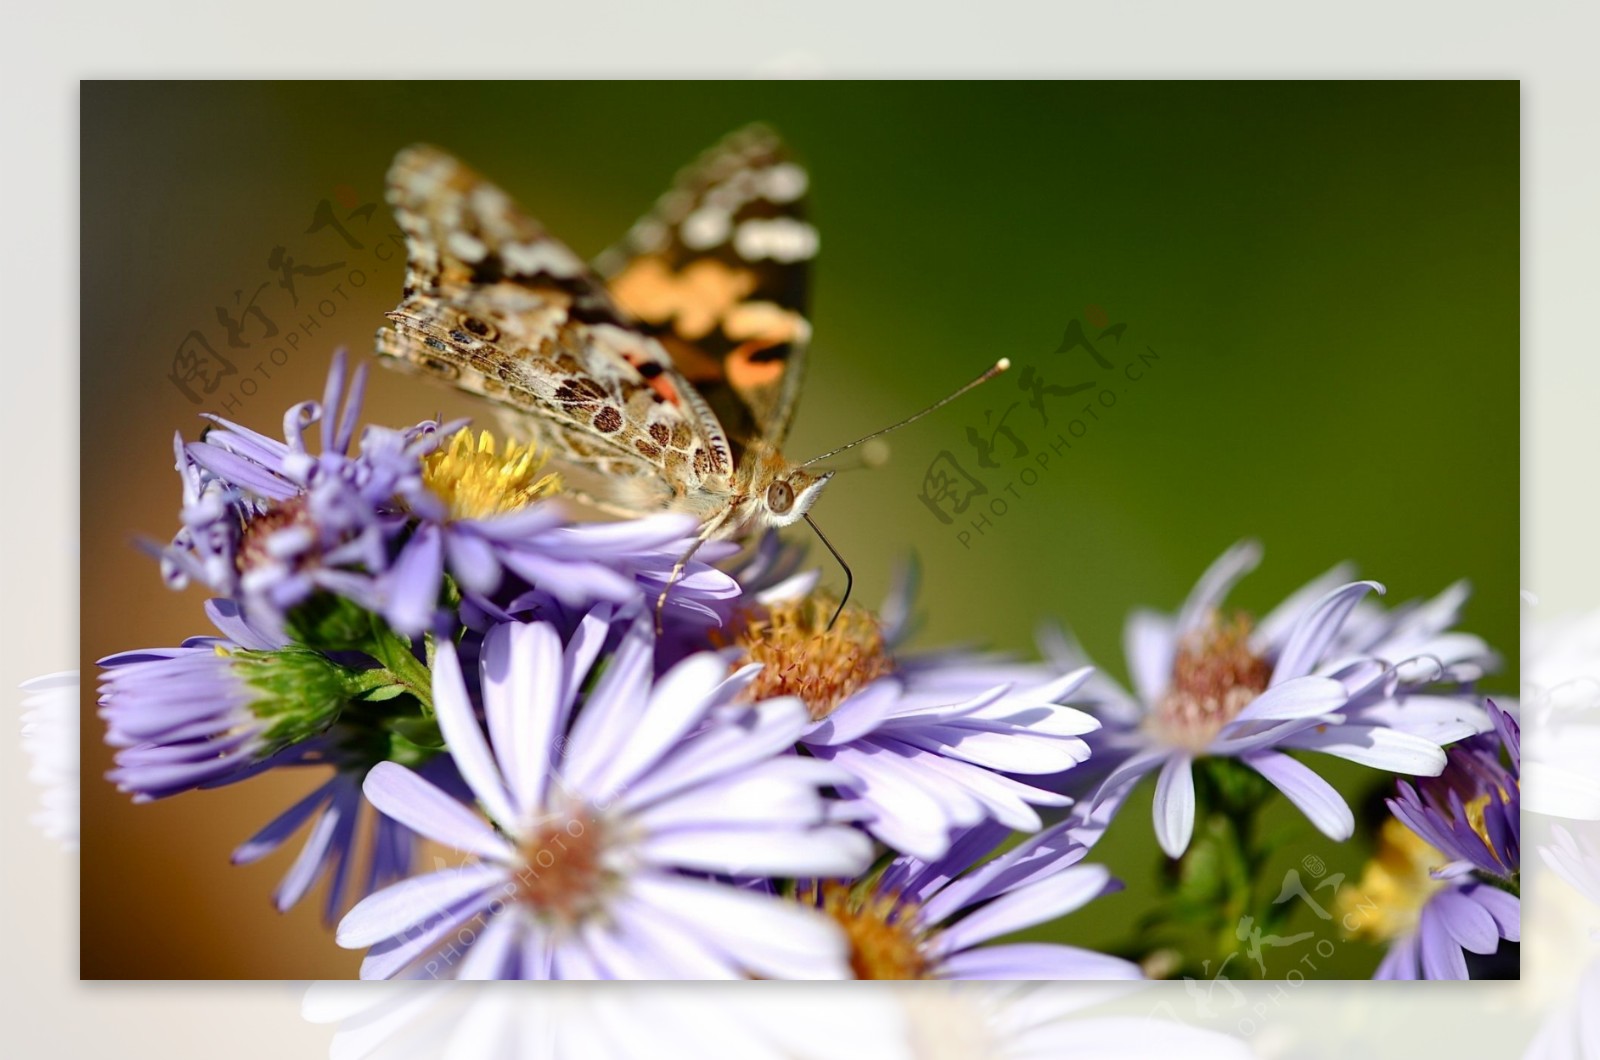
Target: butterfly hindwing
493	305
719	271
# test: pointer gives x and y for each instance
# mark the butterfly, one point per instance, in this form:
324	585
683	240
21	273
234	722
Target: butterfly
663	378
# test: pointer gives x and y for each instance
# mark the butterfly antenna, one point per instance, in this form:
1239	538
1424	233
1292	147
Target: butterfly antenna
999	366
849	579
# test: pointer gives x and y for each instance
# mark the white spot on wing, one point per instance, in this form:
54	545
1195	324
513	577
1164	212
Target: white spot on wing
551	258
782	239
466	246
784	182
705	228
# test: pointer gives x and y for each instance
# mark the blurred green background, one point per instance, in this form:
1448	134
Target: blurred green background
1329	273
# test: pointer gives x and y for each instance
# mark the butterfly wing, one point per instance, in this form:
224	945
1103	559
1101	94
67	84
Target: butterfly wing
494	306
718	271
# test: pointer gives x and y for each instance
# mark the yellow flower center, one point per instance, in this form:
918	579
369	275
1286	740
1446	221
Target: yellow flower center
1475	811
1394	886
1215	675
885	942
563	875
475	482
801	656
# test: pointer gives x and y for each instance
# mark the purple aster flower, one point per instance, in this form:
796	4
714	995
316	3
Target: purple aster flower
931	741
1472	812
607	819
271	523
1209	685
221	710
483	512
193	715
1441	882
931	920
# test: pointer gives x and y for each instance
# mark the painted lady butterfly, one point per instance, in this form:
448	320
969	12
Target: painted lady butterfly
662	379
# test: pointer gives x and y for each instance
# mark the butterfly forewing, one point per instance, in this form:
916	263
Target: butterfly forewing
718	271
493	305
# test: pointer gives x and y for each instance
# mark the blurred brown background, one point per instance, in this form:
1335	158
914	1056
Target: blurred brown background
1330	272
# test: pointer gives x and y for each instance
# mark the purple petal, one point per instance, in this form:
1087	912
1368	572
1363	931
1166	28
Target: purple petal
284	825
1317	629
401	794
1317	799
1505	908
412	584
1467	922
1029	961
473	561
1441	954
1037	903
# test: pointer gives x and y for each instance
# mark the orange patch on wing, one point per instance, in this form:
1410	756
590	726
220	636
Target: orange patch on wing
696	299
747	374
663	386
766	321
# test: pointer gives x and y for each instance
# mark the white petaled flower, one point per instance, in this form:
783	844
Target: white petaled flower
612	800
1208	684
1561	711
50	740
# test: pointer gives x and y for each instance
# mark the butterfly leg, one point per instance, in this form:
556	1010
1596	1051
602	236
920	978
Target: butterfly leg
706	533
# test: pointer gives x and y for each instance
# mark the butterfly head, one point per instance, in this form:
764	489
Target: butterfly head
789	495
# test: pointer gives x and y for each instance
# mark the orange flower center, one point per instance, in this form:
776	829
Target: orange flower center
1215	675
801	656
885	942
563	874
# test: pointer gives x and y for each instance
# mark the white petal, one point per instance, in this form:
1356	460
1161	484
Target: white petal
459	726
822	852
1303	697
1049	898
1316	630
522	687
679	701
769	937
1317	799
409	903
1214	585
1150	644
1173	807
1374	746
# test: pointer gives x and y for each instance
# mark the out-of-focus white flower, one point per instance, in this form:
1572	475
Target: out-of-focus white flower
50	740
1561	717
716	1021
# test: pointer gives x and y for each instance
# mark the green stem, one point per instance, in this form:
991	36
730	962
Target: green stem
400	665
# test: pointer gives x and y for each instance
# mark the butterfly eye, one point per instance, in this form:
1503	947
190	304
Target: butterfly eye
780	497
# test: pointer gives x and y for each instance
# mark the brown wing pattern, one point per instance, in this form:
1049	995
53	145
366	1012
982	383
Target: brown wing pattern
719	271
493	305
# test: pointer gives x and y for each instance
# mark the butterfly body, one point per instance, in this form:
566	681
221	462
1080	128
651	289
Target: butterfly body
710	286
